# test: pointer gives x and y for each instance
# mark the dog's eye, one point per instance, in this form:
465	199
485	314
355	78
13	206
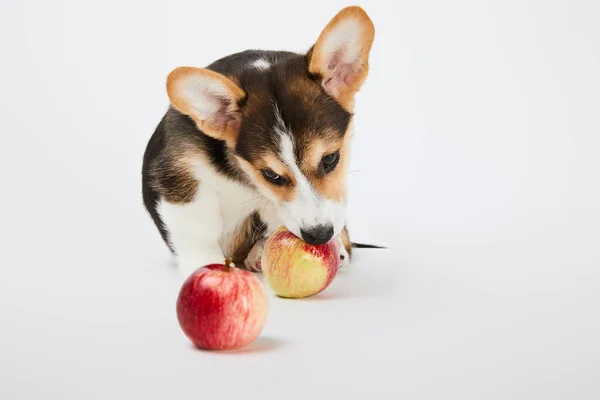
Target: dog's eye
272	176
329	162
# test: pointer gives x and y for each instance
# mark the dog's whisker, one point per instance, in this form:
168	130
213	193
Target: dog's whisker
256	231
266	204
249	200
263	224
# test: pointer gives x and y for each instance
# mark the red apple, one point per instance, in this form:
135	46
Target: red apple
221	307
294	268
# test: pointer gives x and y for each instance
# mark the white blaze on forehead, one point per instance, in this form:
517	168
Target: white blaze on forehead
304	189
261	64
288	156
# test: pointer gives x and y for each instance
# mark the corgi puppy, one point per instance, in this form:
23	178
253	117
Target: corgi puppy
255	141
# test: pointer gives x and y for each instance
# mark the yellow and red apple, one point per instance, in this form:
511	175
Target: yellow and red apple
294	269
221	307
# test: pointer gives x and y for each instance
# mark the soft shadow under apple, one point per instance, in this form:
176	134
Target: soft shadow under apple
262	344
357	284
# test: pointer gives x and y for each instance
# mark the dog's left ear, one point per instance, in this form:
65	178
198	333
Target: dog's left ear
340	57
212	100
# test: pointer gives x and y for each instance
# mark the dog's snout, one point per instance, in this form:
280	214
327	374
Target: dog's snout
319	234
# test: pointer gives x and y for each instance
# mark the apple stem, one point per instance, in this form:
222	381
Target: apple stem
227	264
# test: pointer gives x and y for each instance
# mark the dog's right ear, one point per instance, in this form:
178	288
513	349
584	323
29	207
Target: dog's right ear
340	57
210	99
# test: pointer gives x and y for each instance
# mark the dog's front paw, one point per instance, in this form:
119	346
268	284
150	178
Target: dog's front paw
344	256
252	261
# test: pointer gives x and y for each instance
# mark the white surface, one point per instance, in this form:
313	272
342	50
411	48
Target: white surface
477	142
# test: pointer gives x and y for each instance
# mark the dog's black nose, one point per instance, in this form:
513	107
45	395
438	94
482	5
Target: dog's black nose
317	234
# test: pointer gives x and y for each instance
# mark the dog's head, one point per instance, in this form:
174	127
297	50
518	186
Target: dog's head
287	119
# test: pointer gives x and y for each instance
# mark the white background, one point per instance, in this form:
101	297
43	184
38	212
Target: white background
476	163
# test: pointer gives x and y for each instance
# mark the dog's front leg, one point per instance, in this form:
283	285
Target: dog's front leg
269	222
252	261
194	230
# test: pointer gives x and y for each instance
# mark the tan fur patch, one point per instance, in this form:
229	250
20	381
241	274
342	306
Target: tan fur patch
305	90
332	185
280	193
345	236
242	242
172	178
272	162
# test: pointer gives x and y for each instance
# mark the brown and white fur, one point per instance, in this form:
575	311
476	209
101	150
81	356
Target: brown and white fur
255	141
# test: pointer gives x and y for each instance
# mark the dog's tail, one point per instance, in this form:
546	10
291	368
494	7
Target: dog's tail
366	246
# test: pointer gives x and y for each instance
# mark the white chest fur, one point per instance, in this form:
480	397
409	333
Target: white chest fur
200	231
